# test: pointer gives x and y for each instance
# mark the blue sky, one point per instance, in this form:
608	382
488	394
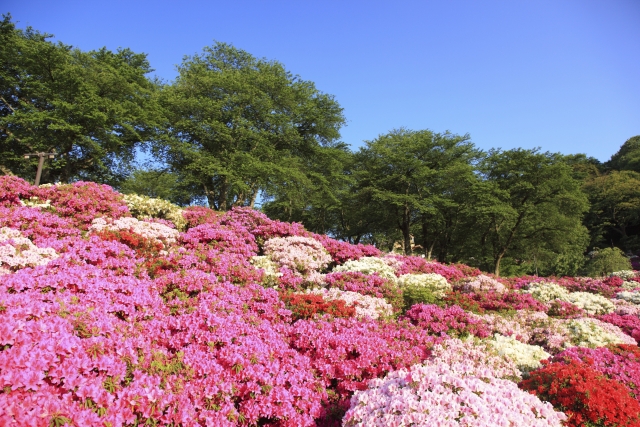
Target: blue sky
562	75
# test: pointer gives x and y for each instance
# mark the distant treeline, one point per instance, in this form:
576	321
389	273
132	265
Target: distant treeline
235	130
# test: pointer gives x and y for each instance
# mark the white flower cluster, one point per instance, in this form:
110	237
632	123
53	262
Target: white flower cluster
16	251
526	357
624	274
547	291
149	230
270	269
34	202
591	303
632	297
592	333
143	207
482	283
370	265
436	283
630	285
366	306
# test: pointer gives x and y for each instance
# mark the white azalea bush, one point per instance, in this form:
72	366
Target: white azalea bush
17	251
35	202
547	291
624	274
383	267
366	306
526	357
143	207
593	333
591	303
434	282
632	297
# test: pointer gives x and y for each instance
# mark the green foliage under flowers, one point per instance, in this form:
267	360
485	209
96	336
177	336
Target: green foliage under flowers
416	294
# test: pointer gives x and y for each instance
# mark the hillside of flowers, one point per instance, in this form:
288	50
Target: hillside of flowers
121	310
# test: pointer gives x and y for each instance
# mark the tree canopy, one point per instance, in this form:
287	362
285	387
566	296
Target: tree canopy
92	107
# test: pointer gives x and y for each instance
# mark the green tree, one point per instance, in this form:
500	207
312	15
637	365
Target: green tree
156	183
628	157
606	261
532	205
402	175
91	107
615	208
240	125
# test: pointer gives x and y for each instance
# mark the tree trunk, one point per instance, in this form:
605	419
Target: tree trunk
406	230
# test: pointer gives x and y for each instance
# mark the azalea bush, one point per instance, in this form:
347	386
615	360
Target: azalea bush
125	311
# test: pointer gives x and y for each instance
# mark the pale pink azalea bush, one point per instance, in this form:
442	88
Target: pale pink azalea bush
16	251
303	256
481	283
149	230
442	394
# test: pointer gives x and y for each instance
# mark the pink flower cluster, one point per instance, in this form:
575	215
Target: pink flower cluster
416	265
304	256
451	321
365	284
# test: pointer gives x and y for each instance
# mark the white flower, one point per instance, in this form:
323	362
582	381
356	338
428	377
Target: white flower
592	333
143	207
624	274
547	291
591	303
370	265
526	357
436	283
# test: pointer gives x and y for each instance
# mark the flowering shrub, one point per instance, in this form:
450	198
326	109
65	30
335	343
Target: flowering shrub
113	320
82	202
440	394
452	321
306	306
417	265
593	333
591	303
302	255
632	297
383	267
365	305
152	231
426	288
372	285
629	324
526	357
565	310
477	355
620	363
479	302
481	283
17	251
547	291
587	396
342	252
143	207
625	274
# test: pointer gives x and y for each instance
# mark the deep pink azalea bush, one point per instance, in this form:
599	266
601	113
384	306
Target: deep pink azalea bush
629	324
14	189
417	265
43	228
343	251
451	321
82	202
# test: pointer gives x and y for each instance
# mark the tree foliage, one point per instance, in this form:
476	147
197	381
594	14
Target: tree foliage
238	125
91	107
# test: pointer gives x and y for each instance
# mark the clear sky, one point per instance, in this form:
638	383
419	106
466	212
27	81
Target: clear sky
562	75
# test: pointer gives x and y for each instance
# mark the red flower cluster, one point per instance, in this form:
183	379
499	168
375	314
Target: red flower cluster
587	396
306	306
